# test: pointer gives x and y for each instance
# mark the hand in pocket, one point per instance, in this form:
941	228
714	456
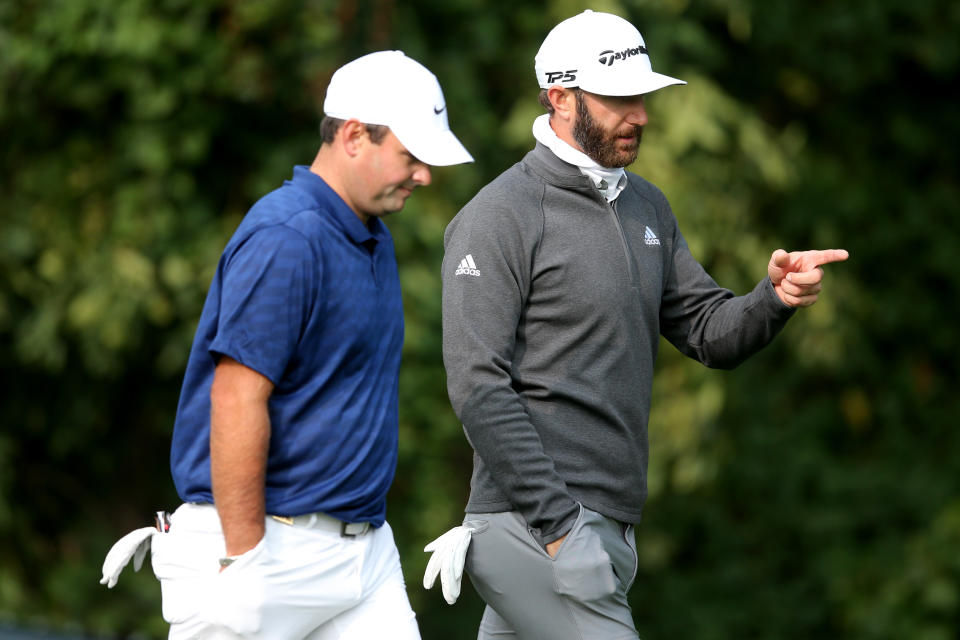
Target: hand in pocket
582	566
239	592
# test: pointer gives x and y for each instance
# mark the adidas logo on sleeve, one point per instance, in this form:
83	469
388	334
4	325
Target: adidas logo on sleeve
468	267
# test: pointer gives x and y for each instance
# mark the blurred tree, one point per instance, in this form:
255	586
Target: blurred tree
811	492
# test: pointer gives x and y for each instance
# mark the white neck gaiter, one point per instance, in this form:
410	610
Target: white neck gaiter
610	182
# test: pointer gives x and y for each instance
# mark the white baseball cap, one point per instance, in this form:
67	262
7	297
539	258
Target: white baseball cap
600	53
388	88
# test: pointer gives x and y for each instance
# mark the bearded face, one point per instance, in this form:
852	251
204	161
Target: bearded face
608	147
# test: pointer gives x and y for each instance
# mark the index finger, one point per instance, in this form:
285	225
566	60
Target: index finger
827	256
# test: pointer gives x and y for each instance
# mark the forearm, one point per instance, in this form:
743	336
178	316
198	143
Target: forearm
504	437
741	326
711	324
239	442
495	418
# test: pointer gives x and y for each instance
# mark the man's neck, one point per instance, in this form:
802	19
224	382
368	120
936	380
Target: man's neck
330	169
609	181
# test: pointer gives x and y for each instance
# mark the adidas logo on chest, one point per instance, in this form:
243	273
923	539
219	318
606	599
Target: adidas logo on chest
650	237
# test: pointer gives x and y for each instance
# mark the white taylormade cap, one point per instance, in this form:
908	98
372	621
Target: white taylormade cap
600	53
388	88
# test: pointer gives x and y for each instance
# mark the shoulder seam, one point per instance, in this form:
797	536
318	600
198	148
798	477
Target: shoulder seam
286	226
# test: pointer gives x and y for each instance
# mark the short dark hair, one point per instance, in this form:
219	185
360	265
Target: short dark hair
545	100
329	127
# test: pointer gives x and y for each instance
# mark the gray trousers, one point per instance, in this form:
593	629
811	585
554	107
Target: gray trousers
580	594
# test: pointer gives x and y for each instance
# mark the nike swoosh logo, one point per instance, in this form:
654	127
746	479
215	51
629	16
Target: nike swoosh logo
440	110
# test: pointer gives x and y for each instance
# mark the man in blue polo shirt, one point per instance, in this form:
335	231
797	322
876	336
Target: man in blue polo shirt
285	441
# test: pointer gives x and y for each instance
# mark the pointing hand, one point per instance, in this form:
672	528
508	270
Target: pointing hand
797	276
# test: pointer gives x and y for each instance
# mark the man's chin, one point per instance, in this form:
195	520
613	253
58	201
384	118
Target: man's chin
628	152
623	159
394	203
618	154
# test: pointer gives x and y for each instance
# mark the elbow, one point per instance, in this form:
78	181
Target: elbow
717	356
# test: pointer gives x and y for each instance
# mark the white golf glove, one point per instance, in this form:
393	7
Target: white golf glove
133	545
449	554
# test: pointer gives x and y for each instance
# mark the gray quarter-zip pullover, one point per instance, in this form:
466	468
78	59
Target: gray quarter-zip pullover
553	301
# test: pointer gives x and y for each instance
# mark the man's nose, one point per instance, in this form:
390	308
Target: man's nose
637	112
421	175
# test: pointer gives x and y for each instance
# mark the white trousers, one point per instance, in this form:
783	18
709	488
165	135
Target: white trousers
298	583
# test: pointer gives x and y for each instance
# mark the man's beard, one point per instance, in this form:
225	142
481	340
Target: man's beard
600	145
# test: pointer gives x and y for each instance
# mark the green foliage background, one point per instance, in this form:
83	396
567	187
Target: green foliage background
813	492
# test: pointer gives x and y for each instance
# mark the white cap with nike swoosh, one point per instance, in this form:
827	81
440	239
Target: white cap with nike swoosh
390	89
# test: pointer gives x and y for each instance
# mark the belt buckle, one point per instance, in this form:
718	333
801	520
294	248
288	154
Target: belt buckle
364	527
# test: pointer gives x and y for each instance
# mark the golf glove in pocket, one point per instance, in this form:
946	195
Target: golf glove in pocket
133	545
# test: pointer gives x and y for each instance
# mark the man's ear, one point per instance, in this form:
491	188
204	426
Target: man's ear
352	136
564	102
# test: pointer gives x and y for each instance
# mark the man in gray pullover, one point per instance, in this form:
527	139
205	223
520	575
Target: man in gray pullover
558	279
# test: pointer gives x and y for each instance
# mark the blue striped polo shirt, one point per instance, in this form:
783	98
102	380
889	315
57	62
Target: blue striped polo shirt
308	296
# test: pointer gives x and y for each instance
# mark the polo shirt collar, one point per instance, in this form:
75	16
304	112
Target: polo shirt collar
329	201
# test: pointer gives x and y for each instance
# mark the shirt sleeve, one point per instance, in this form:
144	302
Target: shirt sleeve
269	282
486	278
709	323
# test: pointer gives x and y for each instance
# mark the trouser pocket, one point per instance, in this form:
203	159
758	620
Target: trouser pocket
194	592
574	596
185	589
582	567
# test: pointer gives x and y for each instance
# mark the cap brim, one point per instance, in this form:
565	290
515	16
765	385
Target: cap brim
638	85
439	148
